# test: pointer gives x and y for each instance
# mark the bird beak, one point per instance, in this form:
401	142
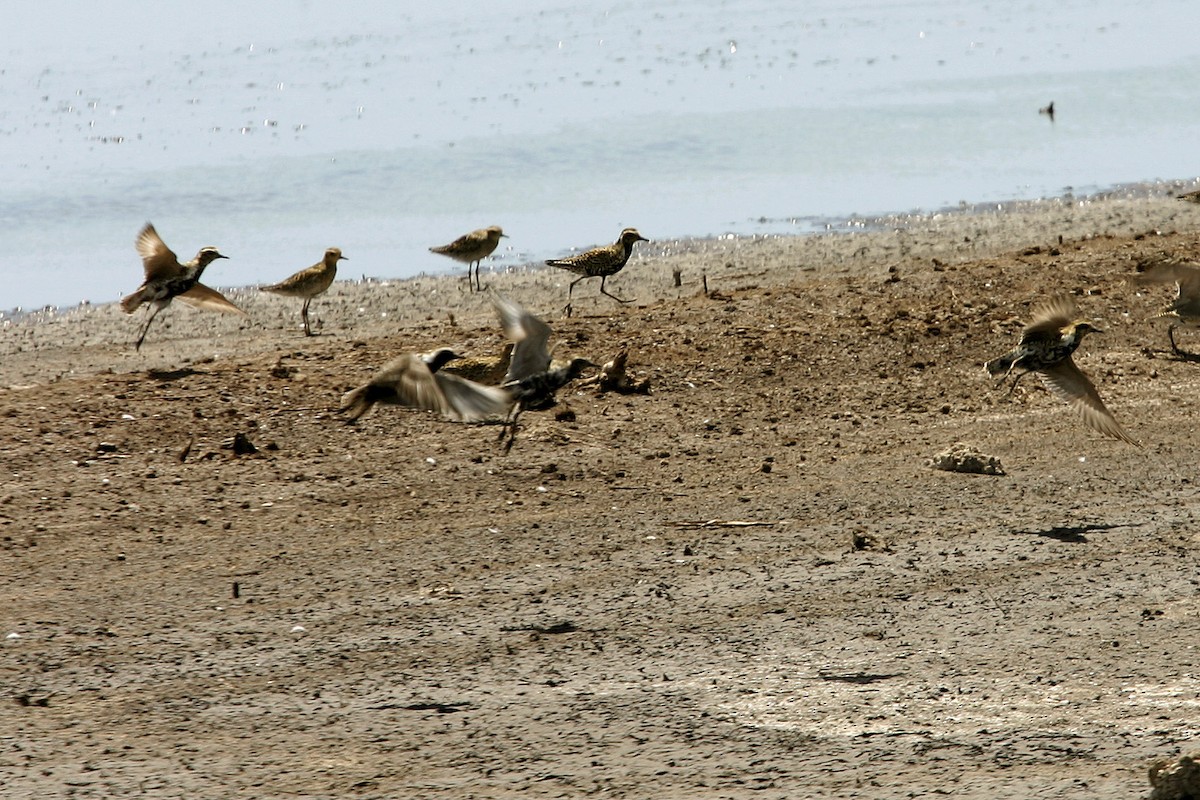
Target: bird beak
343	258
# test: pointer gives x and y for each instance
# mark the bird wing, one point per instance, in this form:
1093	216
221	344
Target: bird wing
1069	383
1186	275
202	297
1049	318
468	401
157	258
531	351
414	385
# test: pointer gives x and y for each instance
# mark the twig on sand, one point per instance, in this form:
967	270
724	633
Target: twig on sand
723	523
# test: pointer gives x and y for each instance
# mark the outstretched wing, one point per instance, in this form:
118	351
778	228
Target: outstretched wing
202	297
468	401
1069	383
531	353
1164	271
1049	318
157	258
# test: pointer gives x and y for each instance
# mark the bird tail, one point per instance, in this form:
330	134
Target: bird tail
357	402
130	303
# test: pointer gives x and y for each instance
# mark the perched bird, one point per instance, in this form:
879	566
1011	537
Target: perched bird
416	381
167	279
1045	348
600	262
471	248
531	381
1186	308
310	282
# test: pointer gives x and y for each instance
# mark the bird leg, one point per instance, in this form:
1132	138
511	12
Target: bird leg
304	316
610	294
137	346
510	428
1016	380
1175	347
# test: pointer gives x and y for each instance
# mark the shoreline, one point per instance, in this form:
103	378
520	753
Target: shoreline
48	344
994	213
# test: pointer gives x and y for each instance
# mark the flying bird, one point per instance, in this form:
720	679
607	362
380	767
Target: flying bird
416	380
1185	311
167	279
600	262
531	381
1045	348
309	282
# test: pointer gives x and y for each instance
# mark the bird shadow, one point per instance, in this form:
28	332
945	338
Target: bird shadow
1072	534
166	375
1181	355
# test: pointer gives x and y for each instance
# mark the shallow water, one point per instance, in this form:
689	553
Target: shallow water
274	133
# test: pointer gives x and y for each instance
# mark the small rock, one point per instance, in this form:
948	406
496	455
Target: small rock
1178	780
964	458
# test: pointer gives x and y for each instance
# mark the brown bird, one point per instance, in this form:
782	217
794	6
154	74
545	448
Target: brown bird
1045	348
600	262
471	248
167	279
416	381
1185	311
1191	197
531	381
488	370
310	282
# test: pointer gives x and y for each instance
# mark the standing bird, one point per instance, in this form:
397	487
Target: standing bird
310	282
1186	308
531	382
1045	348
415	381
600	262
167	279
471	248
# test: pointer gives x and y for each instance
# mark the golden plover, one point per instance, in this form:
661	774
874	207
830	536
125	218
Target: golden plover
1185	310
600	262
310	282
1045	348
167	279
488	370
531	381
471	248
417	381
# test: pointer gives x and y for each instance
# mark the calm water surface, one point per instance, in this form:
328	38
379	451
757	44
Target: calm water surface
276	130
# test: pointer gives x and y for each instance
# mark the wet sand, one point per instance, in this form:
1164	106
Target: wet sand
748	583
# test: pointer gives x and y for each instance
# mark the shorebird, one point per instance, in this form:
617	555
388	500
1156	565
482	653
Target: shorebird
600	262
471	248
310	282
531	381
167	279
1045	348
416	381
1186	309
488	370
1191	197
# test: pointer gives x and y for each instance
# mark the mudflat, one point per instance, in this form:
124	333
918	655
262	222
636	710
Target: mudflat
748	582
